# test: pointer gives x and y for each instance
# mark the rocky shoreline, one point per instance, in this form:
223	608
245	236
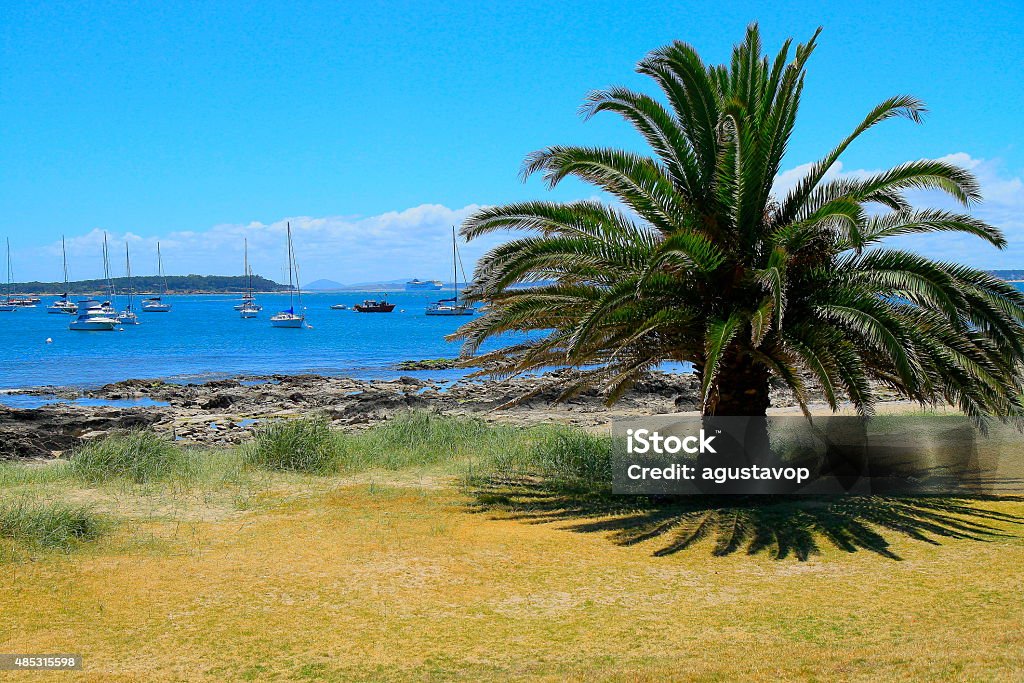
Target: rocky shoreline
226	411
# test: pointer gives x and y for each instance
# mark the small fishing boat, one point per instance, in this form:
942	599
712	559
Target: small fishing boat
248	308
91	318
128	315
289	318
63	305
156	304
8	305
374	306
451	306
339	307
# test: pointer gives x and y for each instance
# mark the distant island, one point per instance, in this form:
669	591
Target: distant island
376	286
150	284
1013	275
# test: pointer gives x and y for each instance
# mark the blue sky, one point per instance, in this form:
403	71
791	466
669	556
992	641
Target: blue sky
373	126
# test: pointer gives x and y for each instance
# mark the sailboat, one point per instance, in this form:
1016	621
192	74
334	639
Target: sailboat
248	308
451	306
12	302
63	304
128	316
7	306
156	304
107	307
290	318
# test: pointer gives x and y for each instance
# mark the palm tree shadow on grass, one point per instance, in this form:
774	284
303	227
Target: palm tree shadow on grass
781	526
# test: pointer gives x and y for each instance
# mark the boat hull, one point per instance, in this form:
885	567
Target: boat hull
157	308
100	325
288	321
450	310
380	308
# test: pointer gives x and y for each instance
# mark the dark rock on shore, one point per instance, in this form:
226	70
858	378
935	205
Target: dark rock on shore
429	364
56	429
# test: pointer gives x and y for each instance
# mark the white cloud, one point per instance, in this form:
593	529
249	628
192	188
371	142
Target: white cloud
1003	207
415	242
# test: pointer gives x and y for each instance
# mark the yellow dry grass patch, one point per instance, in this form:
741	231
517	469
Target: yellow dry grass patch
358	581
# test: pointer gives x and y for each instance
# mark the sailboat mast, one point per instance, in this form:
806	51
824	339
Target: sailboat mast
455	267
64	253
248	275
291	264
8	268
106	269
160	270
128	272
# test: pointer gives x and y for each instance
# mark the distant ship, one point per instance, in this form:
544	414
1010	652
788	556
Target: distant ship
417	284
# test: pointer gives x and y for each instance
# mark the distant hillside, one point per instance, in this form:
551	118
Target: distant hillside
388	286
323	286
1008	274
176	284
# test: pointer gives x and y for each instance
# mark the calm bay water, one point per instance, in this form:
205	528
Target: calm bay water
204	338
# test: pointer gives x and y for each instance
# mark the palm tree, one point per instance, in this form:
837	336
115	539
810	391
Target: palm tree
700	262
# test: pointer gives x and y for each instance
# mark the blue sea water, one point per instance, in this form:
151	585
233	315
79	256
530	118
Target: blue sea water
204	338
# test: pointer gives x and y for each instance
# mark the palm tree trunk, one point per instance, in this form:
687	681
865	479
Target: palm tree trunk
742	388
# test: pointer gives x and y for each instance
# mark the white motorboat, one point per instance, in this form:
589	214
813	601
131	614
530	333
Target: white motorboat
92	323
91	318
452	305
289	318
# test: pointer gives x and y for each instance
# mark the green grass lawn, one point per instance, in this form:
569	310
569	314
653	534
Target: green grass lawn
450	549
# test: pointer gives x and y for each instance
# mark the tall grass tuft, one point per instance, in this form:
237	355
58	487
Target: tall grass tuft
49	524
306	445
138	456
564	457
422	438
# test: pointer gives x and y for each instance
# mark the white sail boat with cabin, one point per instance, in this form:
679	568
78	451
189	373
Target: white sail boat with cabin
7	306
128	315
452	306
290	318
248	308
63	305
156	304
107	307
